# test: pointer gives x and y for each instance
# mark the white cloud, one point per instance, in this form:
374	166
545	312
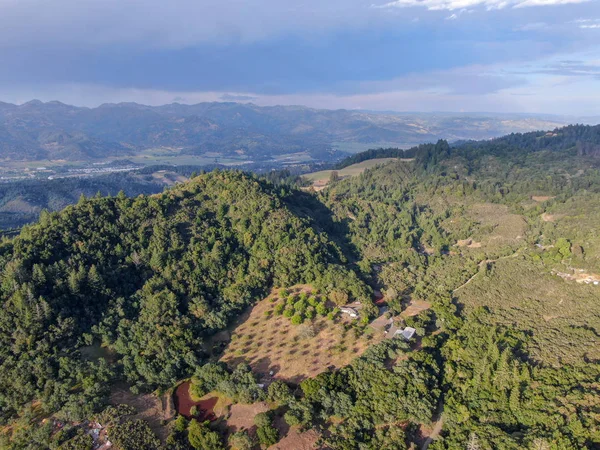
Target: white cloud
456	15
587	24
451	5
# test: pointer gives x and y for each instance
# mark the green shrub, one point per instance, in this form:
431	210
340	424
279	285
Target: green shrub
297	319
267	435
321	309
202	438
278	391
300	306
241	440
263	419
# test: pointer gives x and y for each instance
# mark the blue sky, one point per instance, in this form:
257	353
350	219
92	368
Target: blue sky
538	56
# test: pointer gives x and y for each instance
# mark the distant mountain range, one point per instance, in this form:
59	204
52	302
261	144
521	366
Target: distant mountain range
56	131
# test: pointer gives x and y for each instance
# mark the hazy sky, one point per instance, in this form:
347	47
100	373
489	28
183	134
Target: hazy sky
403	55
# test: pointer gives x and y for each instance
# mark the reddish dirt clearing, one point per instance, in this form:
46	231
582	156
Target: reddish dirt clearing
184	403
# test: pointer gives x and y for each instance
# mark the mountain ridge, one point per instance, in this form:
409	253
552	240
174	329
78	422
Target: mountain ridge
231	129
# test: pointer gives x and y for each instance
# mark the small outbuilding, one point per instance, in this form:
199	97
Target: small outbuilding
407	333
350	311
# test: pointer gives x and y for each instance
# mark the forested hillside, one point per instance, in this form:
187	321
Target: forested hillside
489	250
476	230
149	278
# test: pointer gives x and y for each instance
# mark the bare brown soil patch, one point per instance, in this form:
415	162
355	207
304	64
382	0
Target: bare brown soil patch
241	417
149	407
270	343
415	307
184	403
580	277
298	440
381	322
548	217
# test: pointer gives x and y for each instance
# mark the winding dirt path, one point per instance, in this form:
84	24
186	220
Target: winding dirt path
437	427
481	264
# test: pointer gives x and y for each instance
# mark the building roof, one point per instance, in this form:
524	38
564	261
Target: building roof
350	311
406	333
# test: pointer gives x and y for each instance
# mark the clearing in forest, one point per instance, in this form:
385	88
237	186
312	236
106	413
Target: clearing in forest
497	228
321	179
149	407
297	440
271	343
563	317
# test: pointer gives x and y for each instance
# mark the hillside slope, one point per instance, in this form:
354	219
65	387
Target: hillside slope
488	250
149	278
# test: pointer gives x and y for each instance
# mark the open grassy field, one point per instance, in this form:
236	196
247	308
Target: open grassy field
497	228
562	317
357	147
268	342
321	179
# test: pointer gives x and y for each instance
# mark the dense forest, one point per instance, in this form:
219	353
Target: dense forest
491	235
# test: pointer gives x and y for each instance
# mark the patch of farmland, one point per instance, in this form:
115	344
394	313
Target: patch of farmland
321	179
272	343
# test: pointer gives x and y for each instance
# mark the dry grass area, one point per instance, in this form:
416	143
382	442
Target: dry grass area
297	440
293	352
169	178
576	219
563	316
415	307
497	226
468	243
241	417
321	179
19	205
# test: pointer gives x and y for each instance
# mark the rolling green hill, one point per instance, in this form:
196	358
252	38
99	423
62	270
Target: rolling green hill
489	250
149	278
